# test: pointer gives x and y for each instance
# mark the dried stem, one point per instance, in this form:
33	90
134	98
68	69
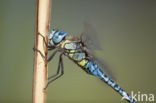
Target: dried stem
40	65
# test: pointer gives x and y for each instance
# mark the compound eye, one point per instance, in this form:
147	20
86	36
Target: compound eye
62	33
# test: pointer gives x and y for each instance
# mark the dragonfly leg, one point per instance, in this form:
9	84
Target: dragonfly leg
50	58
35	49
49	47
43	39
53	54
58	76
58	70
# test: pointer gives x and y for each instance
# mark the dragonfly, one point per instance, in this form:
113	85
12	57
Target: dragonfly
78	50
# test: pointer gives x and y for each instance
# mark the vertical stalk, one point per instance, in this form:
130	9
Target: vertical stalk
43	8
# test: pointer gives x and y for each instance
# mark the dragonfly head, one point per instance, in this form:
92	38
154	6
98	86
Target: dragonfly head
56	37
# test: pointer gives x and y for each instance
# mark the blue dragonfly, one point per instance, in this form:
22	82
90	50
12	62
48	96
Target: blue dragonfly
78	50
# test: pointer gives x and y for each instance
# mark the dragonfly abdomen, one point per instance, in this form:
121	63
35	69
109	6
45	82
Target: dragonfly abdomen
93	69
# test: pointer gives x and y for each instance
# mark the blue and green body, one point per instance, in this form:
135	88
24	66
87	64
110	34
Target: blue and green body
75	50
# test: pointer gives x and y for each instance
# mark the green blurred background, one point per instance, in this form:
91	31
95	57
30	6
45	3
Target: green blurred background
127	31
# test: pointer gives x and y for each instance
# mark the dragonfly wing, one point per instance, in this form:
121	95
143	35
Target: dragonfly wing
90	38
104	68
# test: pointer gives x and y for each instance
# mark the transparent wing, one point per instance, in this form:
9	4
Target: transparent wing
90	38
104	68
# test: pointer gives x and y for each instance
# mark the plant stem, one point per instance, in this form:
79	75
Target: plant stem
40	64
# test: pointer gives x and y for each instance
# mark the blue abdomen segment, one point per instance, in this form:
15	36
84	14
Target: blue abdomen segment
93	69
